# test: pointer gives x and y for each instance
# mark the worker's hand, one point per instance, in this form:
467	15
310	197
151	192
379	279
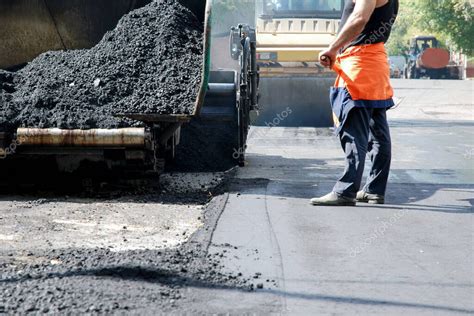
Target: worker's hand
328	58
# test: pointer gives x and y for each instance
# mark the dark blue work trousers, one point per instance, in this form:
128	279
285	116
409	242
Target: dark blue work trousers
365	131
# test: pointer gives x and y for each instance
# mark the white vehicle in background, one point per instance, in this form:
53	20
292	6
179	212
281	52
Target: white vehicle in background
395	72
397	63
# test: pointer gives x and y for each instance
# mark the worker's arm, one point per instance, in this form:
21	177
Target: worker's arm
354	26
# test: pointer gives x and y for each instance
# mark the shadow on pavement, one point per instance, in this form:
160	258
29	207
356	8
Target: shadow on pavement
173	278
366	301
129	273
307	178
400	196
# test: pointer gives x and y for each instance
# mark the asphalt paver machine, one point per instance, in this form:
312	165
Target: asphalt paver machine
215	132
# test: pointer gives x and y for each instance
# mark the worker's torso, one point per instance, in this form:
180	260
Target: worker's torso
378	28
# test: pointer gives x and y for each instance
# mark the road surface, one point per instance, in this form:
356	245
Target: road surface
172	252
412	256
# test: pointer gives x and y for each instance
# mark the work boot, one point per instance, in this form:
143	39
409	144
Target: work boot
333	199
365	197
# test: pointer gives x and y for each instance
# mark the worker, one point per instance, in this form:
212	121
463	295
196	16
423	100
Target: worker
360	98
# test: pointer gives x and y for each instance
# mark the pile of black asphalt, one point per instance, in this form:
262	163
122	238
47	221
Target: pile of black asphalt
149	64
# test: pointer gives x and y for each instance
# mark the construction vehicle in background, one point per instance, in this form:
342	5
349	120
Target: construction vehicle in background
290	36
427	58
220	120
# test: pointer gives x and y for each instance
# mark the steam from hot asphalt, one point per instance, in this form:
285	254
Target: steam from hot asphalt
150	63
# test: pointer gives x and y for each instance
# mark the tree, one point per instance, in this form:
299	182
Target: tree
450	21
452	18
403	29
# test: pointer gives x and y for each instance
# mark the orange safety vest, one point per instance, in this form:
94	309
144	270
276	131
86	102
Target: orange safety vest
365	72
363	81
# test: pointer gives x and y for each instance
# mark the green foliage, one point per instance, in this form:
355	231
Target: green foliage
453	18
403	29
451	21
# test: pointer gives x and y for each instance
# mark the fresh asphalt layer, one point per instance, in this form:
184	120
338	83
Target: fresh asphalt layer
412	256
